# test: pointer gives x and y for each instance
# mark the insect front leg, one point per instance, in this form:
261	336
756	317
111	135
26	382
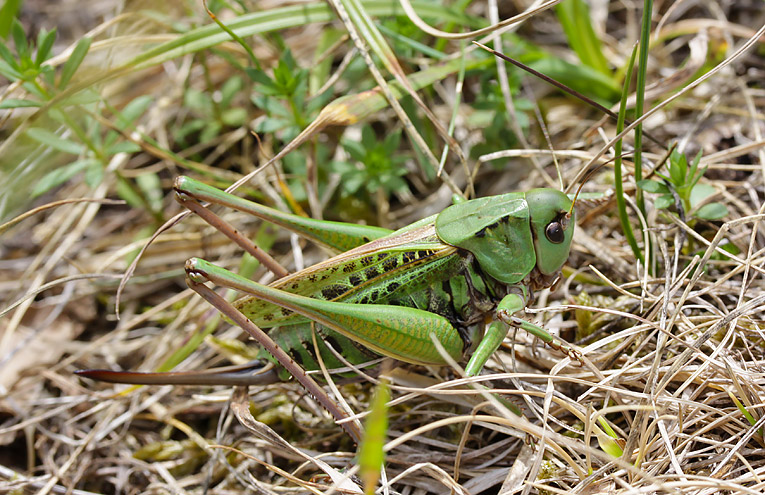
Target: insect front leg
495	332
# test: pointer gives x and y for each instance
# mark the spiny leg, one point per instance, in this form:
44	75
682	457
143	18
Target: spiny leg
512	304
338	236
196	281
192	204
399	332
495	334
252	373
191	193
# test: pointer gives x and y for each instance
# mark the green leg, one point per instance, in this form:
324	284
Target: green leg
196	278
513	303
495	334
490	342
396	331
339	236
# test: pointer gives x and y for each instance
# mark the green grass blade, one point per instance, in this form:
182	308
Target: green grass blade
645	34
574	17
371	453
621	205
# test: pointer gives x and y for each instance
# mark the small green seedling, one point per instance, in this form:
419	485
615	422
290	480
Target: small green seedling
681	188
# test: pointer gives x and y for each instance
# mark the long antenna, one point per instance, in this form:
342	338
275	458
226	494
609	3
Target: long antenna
563	87
587	177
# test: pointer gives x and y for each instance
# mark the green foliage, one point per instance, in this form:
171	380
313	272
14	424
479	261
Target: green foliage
375	166
93	149
284	98
681	188
26	66
491	115
408	40
30	67
574	16
621	203
211	116
608	439
7	16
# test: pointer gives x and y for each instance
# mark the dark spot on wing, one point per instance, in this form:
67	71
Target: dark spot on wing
333	291
310	349
371	272
390	264
366	260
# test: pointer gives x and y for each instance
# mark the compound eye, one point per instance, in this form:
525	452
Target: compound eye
554	232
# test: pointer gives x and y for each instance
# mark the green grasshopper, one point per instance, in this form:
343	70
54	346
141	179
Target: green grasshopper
388	293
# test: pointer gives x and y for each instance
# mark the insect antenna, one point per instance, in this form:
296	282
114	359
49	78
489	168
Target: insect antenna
587	177
563	87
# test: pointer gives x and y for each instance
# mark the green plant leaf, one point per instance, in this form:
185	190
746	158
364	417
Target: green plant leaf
271	125
94	174
574	16
695	166
45	42
123	147
234	117
664	201
7	15
230	88
151	187
132	111
198	100
700	193
8	57
607	439
15	103
73	62
712	211
371	453
55	141
582	78
20	40
60	175
678	167
653	186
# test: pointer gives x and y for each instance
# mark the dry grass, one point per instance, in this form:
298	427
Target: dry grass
673	355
